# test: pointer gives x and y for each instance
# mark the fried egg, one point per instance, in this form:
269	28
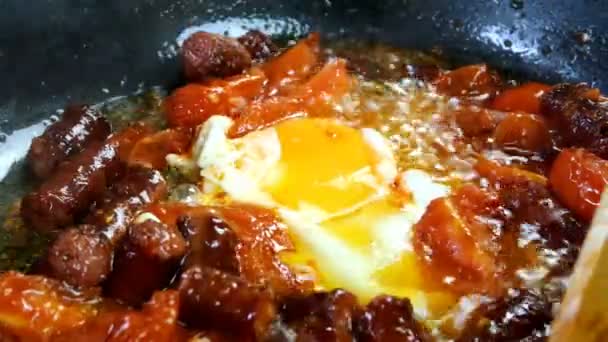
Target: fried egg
348	210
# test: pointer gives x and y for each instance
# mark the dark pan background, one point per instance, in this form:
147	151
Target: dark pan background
55	51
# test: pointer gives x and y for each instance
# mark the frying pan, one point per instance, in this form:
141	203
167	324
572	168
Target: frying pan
57	51
86	50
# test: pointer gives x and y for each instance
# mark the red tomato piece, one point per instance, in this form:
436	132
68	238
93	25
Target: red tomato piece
194	103
248	85
525	98
127	138
151	151
524	132
475	121
156	321
578	178
471	80
497	173
462	240
293	65
451	239
331	81
33	308
309	99
266	113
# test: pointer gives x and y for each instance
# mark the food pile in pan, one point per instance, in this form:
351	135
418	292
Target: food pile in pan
311	193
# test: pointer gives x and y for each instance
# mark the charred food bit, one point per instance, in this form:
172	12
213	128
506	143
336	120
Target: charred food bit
259	45
521	315
581	120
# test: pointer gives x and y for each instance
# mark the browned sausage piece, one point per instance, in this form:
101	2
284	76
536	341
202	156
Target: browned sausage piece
580	119
80	256
322	316
521	315
70	191
242	240
214	299
211	242
107	225
139	186
388	318
259	45
78	126
146	261
212	55
78	182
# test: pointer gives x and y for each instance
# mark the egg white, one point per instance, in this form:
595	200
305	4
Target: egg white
347	248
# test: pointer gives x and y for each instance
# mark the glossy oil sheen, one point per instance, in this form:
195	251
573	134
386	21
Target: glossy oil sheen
58	51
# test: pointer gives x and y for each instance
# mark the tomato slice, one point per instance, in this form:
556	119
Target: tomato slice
475	121
471	80
312	98
527	133
295	64
126	139
331	81
267	113
194	103
467	244
578	178
452	241
151	151
525	98
497	173
33	308
248	85
156	321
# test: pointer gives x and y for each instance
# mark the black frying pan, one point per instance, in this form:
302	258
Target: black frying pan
55	51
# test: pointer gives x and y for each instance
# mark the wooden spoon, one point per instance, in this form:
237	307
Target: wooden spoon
583	314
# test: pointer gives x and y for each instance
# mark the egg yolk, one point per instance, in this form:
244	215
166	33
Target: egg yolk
323	164
362	243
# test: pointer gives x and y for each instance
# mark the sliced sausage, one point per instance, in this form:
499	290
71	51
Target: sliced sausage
321	316
145	261
79	181
214	299
70	191
211	242
388	318
107	226
212	55
521	315
78	126
242	240
138	187
80	256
